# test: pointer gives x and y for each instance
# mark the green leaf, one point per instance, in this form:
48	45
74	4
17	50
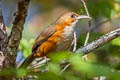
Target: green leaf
54	68
116	42
59	56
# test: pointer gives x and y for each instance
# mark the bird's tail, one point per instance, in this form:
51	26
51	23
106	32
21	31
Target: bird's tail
27	61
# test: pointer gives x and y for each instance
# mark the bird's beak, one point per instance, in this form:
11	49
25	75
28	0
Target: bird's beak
83	17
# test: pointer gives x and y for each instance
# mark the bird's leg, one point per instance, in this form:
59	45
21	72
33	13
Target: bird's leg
46	59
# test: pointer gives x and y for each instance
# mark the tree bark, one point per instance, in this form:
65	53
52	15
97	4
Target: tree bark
3	40
18	25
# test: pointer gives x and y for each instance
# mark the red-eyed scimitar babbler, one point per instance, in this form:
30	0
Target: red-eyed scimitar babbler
57	37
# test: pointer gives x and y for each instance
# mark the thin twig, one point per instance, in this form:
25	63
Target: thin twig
87	37
64	68
75	42
88	33
89	28
86	9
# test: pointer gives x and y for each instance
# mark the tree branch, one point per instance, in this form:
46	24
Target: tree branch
99	42
3	35
16	32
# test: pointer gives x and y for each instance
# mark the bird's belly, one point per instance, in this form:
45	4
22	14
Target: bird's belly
64	45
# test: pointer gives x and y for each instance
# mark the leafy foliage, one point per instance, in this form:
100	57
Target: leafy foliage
77	70
26	46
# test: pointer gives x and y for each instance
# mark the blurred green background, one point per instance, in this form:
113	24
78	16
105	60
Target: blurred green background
105	17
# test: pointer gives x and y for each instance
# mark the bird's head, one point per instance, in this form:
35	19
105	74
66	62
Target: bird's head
71	18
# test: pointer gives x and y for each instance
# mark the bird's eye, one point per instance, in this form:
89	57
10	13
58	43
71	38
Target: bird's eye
72	16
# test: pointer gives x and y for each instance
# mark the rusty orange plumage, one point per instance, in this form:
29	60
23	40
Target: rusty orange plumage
57	37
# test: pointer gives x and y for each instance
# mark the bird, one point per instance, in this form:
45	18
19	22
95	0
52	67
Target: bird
56	37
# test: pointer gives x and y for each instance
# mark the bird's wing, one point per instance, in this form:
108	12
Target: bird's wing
43	37
40	39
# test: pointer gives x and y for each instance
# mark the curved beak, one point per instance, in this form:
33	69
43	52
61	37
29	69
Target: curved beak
83	17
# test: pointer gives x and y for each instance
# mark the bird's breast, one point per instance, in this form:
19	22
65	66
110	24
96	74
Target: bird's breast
66	39
68	32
